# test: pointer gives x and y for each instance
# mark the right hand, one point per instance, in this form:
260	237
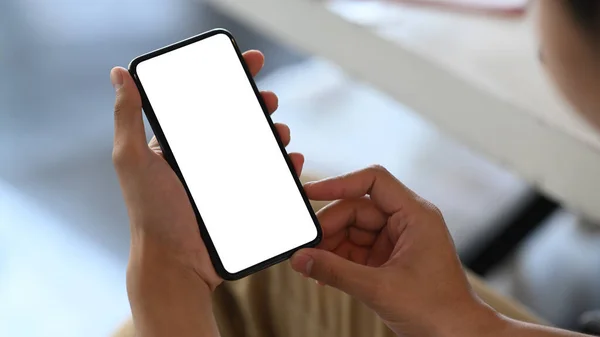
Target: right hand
391	249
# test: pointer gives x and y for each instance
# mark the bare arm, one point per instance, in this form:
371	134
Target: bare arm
391	249
484	321
519	329
170	277
168	300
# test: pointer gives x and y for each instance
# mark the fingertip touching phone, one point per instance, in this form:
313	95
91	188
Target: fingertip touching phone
214	129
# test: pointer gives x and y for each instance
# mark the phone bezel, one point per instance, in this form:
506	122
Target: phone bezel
168	155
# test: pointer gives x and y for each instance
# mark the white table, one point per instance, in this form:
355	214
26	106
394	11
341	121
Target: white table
476	78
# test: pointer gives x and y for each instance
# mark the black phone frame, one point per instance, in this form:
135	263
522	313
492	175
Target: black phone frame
168	155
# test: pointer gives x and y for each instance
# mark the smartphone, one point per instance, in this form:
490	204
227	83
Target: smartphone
215	132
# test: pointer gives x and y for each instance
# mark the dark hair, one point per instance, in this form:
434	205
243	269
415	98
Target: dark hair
585	12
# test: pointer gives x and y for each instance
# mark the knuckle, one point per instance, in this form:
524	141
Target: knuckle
331	276
435	210
334	278
378	169
118	110
120	107
126	156
119	156
124	105
432	209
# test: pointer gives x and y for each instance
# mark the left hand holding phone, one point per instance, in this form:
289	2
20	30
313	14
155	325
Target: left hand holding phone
165	238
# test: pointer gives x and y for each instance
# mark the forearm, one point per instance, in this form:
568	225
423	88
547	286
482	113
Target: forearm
167	300
481	320
492	324
519	329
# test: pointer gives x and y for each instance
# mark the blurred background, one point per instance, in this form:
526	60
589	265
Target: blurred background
63	226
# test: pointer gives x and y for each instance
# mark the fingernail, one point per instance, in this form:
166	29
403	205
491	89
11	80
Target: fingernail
116	78
303	263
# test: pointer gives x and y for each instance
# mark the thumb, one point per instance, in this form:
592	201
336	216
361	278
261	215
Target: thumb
352	278
130	136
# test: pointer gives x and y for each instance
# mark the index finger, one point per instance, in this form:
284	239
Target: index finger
385	190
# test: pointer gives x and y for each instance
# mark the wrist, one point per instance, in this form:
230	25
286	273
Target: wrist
150	267
471	319
168	298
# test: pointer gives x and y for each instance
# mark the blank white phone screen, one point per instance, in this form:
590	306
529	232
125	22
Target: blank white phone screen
227	153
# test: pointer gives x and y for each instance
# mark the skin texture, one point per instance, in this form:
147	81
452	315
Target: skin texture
391	249
170	276
383	244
